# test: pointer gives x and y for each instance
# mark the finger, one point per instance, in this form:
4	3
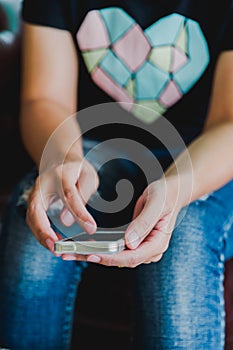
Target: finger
38	222
154	245
154	259
66	217
143	224
73	201
86	185
76	206
74	257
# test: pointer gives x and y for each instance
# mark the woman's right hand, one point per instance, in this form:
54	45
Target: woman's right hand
50	130
73	182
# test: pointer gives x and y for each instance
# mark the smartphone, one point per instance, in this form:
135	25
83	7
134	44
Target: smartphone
101	242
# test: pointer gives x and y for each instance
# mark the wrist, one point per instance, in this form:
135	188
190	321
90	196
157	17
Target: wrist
74	153
178	190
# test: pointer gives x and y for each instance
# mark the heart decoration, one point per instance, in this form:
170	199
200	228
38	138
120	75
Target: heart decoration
153	68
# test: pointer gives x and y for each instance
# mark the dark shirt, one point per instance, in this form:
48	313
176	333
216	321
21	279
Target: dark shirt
158	57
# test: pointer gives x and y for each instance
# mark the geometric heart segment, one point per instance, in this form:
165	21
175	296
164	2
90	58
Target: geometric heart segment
165	30
182	40
146	114
117	22
133	48
179	59
93	57
170	95
150	81
115	68
105	82
161	57
92	34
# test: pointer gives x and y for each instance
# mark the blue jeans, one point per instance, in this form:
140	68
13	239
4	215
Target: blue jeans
180	299
177	303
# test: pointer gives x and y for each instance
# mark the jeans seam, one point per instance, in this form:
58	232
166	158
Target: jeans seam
70	305
222	244
221	289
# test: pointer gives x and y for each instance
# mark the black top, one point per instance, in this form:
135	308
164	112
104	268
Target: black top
157	57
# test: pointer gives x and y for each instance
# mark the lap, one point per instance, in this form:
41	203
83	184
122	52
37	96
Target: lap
37	289
183	293
187	281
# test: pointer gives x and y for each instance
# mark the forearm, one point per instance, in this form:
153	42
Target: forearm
38	121
211	160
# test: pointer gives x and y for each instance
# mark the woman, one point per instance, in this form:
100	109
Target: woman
174	60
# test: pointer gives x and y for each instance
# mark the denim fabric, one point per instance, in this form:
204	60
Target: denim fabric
37	290
177	303
180	300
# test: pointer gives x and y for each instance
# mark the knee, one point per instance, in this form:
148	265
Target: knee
198	231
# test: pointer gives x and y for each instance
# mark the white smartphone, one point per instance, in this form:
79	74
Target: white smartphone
101	242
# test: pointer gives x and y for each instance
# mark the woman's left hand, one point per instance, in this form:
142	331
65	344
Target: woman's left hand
147	236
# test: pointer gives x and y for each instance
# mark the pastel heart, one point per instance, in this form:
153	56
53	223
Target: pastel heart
152	68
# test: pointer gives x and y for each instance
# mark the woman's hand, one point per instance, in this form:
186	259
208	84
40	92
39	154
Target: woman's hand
148	235
74	182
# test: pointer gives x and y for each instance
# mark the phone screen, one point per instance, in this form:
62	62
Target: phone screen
99	236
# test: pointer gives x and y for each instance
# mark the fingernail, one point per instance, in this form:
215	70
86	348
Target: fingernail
67	218
50	244
133	239
89	227
93	258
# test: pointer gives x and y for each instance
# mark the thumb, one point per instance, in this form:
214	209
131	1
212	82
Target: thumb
142	225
